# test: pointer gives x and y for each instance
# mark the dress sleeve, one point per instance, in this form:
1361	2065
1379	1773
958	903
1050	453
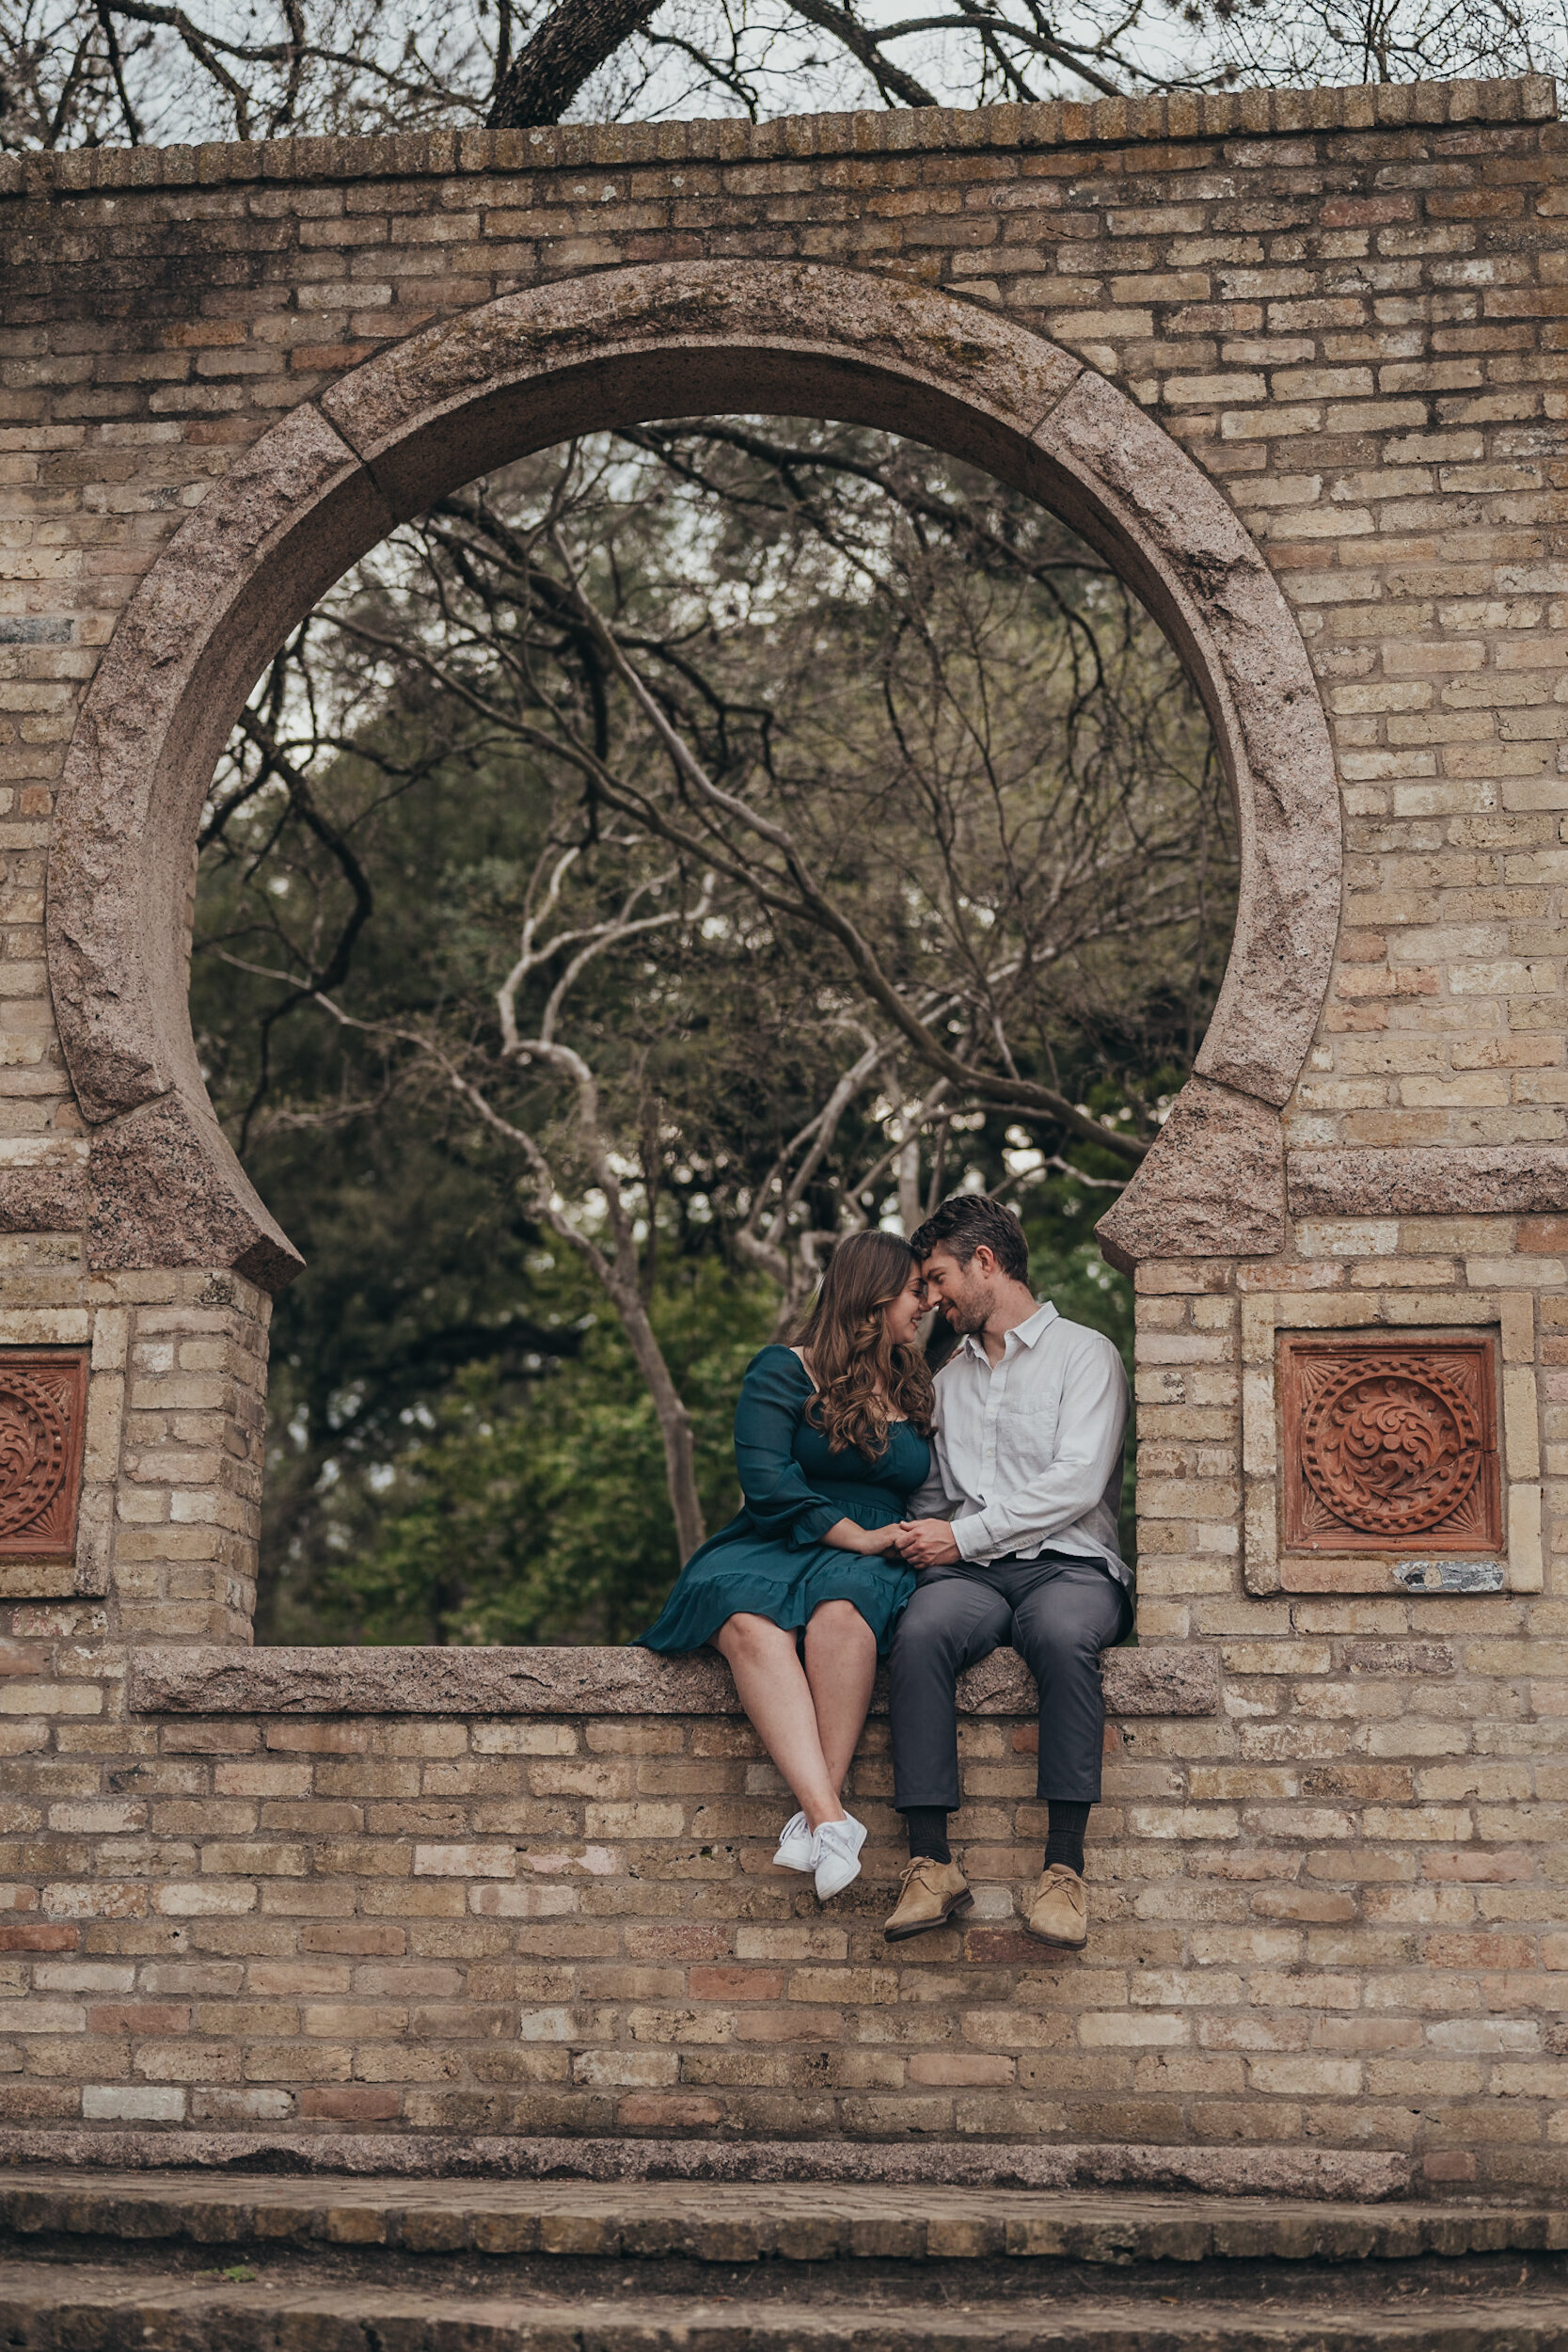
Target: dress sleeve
773	1396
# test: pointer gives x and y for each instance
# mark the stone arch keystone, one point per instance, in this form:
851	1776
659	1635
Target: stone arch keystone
617	347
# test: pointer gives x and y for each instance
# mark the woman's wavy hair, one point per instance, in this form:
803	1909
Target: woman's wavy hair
863	1382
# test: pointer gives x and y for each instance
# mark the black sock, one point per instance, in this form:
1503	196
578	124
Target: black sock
927	1828
1065	1839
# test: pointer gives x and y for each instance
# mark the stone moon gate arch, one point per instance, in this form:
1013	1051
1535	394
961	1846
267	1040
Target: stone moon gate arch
1324	1910
620	347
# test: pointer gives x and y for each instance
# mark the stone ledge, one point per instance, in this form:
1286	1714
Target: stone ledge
222	1681
1470	1180
1104	122
1355	2177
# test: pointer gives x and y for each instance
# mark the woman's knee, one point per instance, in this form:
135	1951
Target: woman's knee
746	1636
839	1621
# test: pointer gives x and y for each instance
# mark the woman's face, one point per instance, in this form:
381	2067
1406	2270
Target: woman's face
903	1313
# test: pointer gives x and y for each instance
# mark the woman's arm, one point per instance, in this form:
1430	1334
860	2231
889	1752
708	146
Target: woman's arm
779	1497
849	1535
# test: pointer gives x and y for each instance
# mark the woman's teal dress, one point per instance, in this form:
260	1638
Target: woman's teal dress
771	1561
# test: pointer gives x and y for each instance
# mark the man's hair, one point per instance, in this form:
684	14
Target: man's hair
969	1222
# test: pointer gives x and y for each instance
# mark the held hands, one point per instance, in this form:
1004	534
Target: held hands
926	1543
919	1543
849	1535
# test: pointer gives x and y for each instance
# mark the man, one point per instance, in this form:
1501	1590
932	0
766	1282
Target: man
1031	1412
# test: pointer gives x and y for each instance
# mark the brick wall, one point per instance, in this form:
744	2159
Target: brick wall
572	1927
1329	1915
569	1926
1317	1922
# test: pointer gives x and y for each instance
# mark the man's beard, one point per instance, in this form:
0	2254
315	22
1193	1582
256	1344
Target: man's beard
963	1318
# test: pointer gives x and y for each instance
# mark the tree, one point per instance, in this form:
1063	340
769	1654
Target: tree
553	943
766	818
81	73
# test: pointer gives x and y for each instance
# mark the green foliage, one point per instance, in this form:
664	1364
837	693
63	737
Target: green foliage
421	1260
545	1517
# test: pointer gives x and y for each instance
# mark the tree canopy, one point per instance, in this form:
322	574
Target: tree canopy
663	857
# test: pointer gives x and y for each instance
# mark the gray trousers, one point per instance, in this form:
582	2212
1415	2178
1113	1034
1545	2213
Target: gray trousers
1058	1613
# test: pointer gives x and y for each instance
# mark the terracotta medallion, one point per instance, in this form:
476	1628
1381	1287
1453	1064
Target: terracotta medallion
43	1411
1390	1444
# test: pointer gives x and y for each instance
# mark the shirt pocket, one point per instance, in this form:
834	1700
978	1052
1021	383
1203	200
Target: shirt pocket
1027	1426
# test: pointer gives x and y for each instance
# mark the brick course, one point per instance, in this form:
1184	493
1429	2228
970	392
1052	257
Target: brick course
1333	1914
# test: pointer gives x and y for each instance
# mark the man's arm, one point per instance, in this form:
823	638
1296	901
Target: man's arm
1088	1447
924	1539
931	1501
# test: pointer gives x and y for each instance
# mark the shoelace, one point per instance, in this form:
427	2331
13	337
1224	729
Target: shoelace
1063	1874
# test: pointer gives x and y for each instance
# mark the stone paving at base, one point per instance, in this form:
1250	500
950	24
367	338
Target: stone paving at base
741	2221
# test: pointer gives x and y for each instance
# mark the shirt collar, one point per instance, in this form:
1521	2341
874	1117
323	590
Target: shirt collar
1025	1333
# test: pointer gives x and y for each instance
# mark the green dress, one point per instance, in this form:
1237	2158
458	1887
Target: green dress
771	1561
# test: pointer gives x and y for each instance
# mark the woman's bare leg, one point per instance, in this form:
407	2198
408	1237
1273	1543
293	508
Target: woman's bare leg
841	1668
773	1690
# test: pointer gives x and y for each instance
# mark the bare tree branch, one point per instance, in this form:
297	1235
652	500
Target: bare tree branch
615	1269
815	903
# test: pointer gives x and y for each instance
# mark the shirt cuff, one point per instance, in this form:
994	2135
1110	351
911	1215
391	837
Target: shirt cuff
813	1525
973	1536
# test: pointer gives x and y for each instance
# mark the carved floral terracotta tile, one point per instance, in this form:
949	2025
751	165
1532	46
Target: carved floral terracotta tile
43	1413
1390	1444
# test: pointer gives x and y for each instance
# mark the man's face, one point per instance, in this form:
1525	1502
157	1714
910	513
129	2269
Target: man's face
964	1293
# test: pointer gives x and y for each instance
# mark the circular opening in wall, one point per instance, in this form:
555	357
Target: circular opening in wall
661	856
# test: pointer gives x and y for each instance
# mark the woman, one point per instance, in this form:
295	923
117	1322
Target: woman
831	1442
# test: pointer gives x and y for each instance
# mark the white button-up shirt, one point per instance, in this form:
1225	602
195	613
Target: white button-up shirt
1029	1447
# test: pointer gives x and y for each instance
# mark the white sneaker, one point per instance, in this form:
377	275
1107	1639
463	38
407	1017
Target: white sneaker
836	1855
794	1845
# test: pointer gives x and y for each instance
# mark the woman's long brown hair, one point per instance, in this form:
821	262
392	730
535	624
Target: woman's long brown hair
863	1382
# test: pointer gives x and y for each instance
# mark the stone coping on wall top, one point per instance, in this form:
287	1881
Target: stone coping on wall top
1470	1180
617	2189
231	1681
589	146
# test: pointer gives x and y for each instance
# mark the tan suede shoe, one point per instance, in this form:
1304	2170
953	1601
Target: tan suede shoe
1059	1914
928	1894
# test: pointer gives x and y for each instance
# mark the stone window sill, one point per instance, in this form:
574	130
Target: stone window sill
231	1681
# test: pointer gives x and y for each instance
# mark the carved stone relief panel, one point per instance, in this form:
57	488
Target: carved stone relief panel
1390	1444
43	1396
